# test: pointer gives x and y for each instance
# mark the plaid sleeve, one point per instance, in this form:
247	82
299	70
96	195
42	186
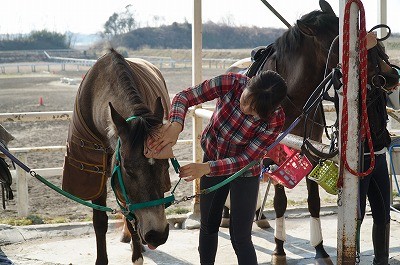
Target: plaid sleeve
255	150
206	91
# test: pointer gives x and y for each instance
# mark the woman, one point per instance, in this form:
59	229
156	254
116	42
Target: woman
376	186
247	118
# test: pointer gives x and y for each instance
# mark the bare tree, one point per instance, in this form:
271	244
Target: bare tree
119	23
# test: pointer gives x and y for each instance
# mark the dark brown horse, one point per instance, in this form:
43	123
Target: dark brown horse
300	57
119	104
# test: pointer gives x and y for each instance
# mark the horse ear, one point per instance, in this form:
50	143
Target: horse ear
120	123
326	7
305	29
158	109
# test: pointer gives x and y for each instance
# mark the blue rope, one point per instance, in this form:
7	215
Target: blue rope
395	143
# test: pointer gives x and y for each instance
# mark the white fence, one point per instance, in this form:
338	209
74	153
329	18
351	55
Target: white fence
22	153
62	64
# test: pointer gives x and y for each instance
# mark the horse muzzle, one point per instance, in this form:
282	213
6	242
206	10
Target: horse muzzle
155	238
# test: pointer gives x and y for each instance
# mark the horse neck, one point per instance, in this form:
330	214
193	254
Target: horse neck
302	74
92	104
150	84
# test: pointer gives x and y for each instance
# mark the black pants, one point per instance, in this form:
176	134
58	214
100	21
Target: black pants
377	187
243	196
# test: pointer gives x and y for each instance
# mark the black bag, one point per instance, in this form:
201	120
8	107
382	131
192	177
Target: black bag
5	181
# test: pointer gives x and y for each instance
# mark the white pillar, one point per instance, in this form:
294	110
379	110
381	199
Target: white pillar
348	199
22	188
197	32
382	17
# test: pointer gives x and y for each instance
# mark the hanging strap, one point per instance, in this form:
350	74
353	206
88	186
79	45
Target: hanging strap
364	130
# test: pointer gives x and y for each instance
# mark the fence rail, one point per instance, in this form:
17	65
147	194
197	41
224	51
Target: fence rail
61	64
22	152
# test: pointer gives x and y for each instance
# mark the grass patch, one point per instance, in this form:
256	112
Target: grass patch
297	203
176	210
36	220
29	220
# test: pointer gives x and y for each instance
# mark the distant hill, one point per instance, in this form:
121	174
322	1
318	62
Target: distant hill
215	36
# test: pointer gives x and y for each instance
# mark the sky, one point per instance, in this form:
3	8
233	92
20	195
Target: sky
89	16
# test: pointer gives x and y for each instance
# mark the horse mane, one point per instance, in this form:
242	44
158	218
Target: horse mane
146	123
291	40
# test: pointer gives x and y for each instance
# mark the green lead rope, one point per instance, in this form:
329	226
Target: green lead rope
72	197
218	185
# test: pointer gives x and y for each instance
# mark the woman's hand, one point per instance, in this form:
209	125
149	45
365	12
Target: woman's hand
169	134
193	171
165	153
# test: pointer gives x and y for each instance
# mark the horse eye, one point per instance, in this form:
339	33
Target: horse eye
130	171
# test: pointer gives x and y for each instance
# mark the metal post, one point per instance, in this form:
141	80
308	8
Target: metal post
348	199
197	28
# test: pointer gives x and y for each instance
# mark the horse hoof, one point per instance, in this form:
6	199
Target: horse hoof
323	261
263	223
224	222
139	261
125	238
278	260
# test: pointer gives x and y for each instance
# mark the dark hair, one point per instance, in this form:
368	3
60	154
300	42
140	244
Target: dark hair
265	92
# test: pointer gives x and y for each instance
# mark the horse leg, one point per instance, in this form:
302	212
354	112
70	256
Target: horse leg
100	225
262	222
126	235
225	213
314	207
280	204
136	244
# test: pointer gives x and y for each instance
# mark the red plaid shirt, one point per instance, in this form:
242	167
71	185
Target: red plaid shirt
232	139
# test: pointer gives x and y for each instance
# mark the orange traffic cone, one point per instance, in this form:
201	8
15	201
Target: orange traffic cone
41	101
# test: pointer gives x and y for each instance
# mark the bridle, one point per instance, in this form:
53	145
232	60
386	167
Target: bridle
377	56
127	207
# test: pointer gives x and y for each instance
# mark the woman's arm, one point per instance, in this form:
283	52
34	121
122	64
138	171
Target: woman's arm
206	91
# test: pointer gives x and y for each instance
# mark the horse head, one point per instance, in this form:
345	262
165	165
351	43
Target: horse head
144	179
322	26
381	73
301	57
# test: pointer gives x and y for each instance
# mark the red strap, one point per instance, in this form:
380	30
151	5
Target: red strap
365	130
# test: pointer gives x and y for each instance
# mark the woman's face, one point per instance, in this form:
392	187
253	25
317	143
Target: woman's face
245	102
